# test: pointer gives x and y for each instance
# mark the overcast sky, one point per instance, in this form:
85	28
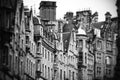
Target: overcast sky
63	6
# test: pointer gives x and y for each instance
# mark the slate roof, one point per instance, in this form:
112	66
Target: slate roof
66	40
107	13
114	25
97	25
67	28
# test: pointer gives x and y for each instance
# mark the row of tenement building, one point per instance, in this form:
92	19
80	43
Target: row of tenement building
39	47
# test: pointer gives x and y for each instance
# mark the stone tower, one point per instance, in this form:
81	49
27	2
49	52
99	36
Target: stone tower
48	10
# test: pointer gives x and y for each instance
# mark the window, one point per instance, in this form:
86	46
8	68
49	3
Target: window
38	46
45	72
55	58
60	74
108	71
22	44
69	57
87	45
80	44
32	46
48	55
99	57
64	75
27	39
51	73
98	70
109	46
27	64
43	69
108	60
10	61
109	35
41	32
73	76
31	68
5	56
16	63
72	47
43	51
73	59
51	57
64	58
21	67
86	58
99	44
48	73
69	74
61	57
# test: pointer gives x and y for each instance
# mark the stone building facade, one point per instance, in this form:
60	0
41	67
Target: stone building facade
101	38
30	58
43	48
11	44
105	50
